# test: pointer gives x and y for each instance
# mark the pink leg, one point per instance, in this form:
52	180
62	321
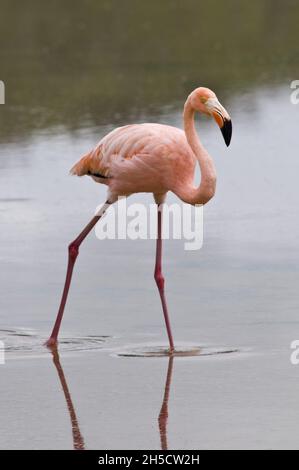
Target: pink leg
160	279
73	250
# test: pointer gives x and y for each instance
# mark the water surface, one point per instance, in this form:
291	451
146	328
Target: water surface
73	73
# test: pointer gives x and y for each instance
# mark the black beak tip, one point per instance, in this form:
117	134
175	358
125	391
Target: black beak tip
226	130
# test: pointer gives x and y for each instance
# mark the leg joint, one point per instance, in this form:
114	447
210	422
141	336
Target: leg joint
73	250
159	278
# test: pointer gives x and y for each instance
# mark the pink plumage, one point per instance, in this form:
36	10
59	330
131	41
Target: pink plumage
140	158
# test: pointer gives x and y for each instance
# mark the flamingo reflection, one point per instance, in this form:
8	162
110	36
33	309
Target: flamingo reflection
163	415
78	440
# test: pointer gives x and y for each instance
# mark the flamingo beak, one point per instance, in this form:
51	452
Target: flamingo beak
222	118
227	130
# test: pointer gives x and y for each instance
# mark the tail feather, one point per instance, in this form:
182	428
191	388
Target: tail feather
82	167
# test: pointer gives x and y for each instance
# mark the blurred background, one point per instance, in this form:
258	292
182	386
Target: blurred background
76	64
73	71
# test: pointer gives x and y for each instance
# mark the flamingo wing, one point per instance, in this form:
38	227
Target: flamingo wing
137	158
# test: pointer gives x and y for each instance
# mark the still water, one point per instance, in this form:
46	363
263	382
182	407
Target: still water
72	73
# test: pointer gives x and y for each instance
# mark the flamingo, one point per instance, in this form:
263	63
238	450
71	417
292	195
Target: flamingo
154	158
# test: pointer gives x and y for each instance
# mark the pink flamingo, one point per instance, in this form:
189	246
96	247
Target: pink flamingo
152	158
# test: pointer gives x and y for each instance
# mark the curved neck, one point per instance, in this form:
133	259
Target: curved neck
206	189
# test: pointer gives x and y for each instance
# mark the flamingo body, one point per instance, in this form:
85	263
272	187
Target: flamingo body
140	158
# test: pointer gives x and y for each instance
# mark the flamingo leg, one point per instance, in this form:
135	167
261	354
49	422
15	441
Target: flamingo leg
159	278
73	250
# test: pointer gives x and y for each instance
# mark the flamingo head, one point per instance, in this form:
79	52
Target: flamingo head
205	101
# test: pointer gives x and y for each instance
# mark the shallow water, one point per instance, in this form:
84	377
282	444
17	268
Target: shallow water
236	297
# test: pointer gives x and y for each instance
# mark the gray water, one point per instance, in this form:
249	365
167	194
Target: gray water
239	292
